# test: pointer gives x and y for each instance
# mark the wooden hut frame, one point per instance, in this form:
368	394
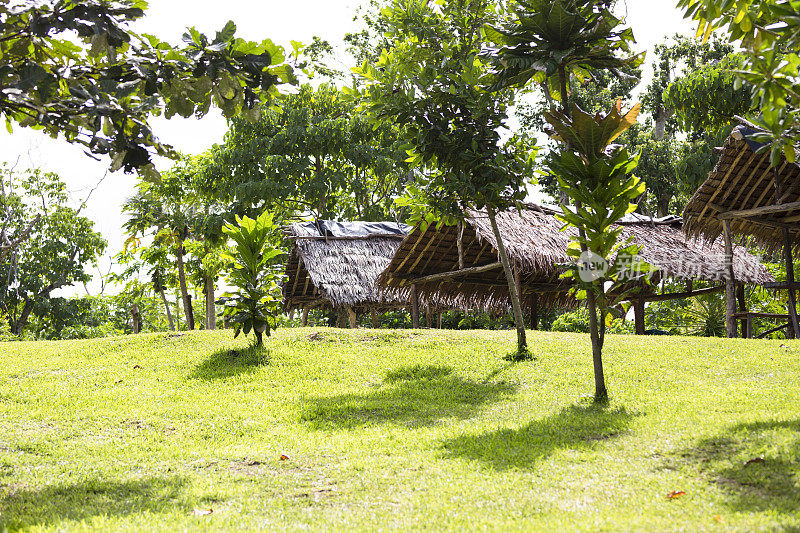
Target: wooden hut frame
459	265
339	272
745	197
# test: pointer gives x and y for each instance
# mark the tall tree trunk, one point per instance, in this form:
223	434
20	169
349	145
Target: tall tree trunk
177	309
662	205
211	308
522	341
187	300
23	317
135	319
167	309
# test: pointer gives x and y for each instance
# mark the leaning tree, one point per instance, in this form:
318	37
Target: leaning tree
432	80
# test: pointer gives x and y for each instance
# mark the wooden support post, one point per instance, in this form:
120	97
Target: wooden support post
428	317
305	316
414	307
534	311
740	297
351	315
439	320
638	315
374	316
341	317
730	282
749	327
794	329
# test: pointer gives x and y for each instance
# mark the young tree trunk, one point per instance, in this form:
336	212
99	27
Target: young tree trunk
187	300
211	309
597	330
597	333
167	309
522	341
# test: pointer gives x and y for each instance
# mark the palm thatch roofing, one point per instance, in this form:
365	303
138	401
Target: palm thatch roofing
336	264
742	184
536	245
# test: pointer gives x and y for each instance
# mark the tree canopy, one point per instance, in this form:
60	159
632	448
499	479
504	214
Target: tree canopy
76	70
313	152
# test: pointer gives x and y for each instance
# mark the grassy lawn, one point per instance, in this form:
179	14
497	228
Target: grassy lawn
398	430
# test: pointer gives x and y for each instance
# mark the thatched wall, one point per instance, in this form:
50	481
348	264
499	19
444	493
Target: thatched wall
743	179
537	246
338	272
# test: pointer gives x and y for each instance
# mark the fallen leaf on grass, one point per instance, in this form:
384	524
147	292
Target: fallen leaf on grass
785	347
717	518
284	457
118	382
753	461
136	366
202	512
675	494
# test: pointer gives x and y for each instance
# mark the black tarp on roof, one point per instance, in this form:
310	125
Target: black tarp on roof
332	228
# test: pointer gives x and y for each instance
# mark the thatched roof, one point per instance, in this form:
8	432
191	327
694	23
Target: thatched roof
744	179
537	246
336	264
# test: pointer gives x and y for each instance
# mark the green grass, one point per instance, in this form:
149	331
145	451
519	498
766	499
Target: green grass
398	430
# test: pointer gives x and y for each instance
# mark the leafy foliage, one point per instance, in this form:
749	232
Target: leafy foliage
548	40
431	80
76	69
311	153
257	301
707	98
769	32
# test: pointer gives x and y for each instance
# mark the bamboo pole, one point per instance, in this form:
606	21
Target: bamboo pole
534	311
414	307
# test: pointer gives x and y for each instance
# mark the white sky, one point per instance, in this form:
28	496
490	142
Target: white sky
652	22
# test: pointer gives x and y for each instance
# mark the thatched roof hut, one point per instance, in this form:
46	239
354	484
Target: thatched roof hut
537	246
335	264
746	197
743	189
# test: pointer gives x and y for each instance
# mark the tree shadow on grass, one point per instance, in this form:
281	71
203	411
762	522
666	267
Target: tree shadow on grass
53	505
756	464
413	396
225	363
573	427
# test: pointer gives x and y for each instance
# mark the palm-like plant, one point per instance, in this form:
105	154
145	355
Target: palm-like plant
256	303
549	40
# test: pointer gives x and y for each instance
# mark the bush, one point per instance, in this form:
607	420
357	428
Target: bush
578	322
